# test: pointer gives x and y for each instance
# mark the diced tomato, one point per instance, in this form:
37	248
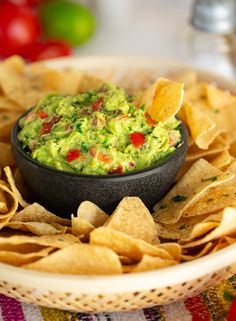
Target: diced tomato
73	155
149	119
47	126
137	139
42	114
104	158
98	104
119	170
125	116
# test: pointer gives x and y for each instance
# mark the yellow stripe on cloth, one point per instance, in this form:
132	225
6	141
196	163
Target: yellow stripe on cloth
49	314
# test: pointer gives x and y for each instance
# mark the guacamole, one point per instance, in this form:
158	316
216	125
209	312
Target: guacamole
96	132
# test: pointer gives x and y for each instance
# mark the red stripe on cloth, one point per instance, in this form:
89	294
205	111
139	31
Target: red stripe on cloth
232	312
197	308
11	309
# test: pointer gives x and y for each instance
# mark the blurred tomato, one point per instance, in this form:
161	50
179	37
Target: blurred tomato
45	50
25	3
18	27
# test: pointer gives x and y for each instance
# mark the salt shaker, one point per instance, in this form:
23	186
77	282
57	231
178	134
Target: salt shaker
211	41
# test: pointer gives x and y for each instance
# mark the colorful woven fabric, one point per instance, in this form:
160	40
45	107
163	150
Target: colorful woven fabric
212	305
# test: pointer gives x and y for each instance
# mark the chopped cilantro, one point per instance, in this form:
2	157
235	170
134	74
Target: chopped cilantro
78	128
142	107
163	206
105	142
212	179
178	198
84	147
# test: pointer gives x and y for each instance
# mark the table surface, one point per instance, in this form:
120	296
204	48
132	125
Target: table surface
211	305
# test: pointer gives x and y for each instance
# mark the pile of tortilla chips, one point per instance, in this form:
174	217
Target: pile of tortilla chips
196	217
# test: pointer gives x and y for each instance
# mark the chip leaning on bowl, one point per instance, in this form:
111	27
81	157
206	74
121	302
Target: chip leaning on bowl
97	132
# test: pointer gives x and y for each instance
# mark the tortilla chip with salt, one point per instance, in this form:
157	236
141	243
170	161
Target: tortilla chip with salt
221	160
81	227
218	98
163	99
200	177
83	259
188	77
7	120
37	213
133	218
126	245
92	213
208	248
90	82
226	227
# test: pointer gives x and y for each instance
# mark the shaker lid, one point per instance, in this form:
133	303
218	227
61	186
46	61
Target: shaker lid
215	16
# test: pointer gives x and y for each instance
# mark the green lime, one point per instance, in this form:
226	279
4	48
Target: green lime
68	21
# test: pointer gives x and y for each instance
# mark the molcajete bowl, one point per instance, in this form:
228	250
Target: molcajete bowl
62	192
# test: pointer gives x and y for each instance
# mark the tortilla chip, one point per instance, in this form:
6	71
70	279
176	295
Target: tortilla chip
148	263
221	160
81	227
188	77
196	92
7	120
126	245
90	82
18	259
217	146
3	202
12	203
226	227
208	248
92	214
199	124
37	213
133	218
6	156
16	63
38	228
14	189
163	99
200	177
83	259
218	98
8	105
56	241
127	260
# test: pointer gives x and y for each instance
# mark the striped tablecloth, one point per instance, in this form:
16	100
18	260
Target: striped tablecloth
212	305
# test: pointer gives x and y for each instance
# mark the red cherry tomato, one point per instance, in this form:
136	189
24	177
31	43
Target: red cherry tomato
137	139
232	312
45	50
18	27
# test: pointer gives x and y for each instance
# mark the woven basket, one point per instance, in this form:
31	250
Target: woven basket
129	291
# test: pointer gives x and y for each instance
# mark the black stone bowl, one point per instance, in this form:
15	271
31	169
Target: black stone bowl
62	192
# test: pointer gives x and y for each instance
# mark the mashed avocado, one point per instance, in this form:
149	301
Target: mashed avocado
97	132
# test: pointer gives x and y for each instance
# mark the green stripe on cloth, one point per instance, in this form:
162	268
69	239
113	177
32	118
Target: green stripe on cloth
54	314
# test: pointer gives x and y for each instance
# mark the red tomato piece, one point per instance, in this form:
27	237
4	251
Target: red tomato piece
19	26
119	170
42	114
41	50
149	120
73	155
92	151
98	104
46	128
137	139
26	3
